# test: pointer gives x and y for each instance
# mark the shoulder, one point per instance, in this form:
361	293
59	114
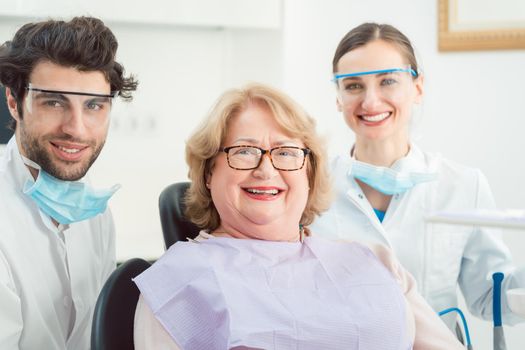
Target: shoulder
16	213
379	252
183	259
184	255
8	190
148	332
193	272
385	255
463	182
448	167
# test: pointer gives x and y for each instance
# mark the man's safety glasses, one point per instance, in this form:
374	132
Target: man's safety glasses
393	83
56	104
287	158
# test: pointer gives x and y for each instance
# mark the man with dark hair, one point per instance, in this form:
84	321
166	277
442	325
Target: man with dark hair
57	240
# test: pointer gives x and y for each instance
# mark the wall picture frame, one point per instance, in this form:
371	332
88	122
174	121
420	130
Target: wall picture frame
468	25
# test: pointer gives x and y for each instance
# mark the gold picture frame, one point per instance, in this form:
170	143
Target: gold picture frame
470	40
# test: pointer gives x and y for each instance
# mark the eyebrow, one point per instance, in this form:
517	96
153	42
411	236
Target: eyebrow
54	95
360	77
254	142
99	99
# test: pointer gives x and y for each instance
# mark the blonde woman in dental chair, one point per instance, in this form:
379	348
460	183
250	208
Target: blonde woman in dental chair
254	278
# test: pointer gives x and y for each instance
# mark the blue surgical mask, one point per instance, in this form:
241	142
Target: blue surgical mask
386	180
66	201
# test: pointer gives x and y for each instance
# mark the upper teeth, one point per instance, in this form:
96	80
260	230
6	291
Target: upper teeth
69	150
376	118
253	190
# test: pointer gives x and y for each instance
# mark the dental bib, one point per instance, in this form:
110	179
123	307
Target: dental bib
226	293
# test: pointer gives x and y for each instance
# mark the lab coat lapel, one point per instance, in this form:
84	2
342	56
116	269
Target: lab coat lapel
355	195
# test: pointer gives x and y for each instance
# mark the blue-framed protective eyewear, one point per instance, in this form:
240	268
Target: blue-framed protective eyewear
380	71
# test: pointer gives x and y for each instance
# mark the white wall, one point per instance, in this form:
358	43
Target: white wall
474	108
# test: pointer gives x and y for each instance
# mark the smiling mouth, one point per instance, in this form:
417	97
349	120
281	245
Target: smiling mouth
69	152
69	148
376	118
269	192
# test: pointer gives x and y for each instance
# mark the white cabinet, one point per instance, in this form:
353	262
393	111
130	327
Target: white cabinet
206	13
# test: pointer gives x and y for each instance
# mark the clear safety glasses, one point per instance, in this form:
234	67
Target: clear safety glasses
55	104
287	158
390	84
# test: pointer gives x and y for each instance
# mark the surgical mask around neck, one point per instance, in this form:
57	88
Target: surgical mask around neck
66	201
386	180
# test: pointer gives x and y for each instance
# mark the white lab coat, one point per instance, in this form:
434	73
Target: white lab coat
439	256
50	276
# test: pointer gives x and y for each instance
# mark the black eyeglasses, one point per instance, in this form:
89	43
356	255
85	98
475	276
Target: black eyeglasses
287	158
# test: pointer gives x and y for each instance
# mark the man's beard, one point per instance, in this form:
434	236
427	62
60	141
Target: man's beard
67	171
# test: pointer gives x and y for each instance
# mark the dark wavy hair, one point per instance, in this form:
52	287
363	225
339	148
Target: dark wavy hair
83	43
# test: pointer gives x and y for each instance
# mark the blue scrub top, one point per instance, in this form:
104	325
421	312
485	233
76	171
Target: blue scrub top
380	214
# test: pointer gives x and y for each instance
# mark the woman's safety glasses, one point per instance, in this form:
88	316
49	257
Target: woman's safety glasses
55	104
390	84
288	158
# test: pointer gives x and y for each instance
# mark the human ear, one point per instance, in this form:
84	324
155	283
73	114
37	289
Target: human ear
207	180
338	104
418	83
12	105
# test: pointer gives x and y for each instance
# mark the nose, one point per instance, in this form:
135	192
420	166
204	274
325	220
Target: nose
73	122
265	170
371	98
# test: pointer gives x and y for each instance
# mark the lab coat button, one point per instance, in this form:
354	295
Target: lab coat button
360	196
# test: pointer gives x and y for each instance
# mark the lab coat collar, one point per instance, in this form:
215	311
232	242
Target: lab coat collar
13	162
342	165
414	161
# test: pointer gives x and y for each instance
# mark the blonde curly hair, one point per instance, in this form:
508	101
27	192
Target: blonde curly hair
203	146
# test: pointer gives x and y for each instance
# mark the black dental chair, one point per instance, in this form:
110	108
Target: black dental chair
114	313
175	227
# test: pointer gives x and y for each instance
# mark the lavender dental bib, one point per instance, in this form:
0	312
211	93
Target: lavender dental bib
224	293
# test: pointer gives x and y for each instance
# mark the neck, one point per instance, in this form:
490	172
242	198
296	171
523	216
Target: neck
261	232
33	171
381	153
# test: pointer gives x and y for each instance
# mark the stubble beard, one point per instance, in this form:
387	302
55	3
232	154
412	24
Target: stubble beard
60	169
